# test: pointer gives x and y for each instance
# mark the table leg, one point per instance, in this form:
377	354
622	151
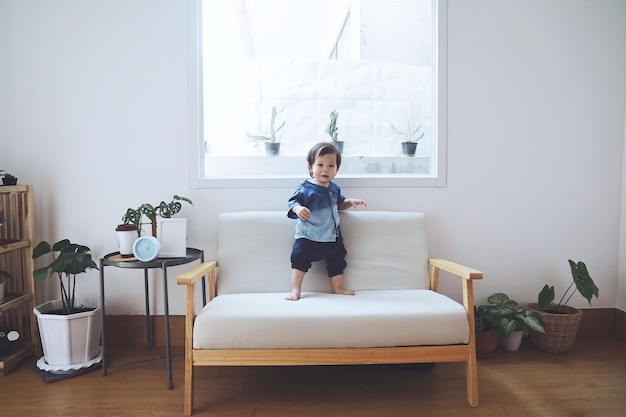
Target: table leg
148	321
168	351
204	279
102	315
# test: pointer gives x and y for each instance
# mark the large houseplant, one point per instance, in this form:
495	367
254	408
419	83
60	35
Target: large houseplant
333	130
272	146
69	327
561	321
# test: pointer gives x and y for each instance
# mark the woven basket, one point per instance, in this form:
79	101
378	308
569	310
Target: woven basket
561	329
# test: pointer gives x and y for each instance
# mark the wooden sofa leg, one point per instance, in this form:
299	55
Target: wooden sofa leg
188	395
472	381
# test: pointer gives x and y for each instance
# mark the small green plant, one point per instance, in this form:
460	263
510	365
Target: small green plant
332	129
163	209
582	282
509	317
410	134
273	129
4	275
484	320
68	259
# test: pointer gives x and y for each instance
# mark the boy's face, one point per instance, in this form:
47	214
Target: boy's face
324	169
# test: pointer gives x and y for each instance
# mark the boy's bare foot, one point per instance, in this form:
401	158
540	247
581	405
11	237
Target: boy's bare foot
342	291
294	296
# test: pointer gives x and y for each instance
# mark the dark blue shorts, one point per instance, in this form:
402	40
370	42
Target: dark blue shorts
306	251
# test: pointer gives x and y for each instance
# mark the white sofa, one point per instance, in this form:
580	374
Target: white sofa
396	315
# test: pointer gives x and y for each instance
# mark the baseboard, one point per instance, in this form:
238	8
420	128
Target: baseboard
131	330
597	322
620	324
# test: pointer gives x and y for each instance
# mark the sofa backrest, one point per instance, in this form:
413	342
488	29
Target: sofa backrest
386	250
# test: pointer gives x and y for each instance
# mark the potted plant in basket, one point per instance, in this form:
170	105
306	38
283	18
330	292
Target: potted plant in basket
513	321
411	136
333	130
561	321
272	146
67	324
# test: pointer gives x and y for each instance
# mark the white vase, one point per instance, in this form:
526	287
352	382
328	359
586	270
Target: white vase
513	341
68	339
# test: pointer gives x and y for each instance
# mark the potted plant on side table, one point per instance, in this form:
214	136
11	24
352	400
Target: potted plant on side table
69	328
172	247
561	321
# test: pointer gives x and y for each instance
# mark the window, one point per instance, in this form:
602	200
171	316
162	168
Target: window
379	64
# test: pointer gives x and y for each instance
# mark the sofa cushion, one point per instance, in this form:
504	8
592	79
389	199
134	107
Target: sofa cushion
380	318
385	251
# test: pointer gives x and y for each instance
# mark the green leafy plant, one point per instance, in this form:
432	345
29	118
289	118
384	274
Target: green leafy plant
4	275
332	129
163	209
582	282
68	259
484	320
273	129
410	134
510	317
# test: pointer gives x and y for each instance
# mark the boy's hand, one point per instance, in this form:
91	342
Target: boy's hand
302	212
356	202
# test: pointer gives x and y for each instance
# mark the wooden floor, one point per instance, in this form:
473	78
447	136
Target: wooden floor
588	381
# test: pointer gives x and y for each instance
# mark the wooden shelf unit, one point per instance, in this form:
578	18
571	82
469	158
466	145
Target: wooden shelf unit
16	245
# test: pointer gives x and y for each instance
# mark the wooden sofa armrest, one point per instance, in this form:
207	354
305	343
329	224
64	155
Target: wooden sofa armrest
191	276
462	271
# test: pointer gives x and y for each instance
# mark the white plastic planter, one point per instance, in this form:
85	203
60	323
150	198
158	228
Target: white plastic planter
68	339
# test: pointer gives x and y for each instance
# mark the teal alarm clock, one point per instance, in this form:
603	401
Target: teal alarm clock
146	248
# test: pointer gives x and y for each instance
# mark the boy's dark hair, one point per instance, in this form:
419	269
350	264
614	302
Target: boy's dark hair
321	149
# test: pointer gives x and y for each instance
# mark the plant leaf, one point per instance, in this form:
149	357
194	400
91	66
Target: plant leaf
546	296
585	285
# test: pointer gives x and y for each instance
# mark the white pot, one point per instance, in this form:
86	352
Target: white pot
126	236
68	339
513	341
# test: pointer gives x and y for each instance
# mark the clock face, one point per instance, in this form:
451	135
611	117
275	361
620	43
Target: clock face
146	248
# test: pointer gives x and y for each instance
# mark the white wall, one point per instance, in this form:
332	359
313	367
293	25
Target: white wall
93	114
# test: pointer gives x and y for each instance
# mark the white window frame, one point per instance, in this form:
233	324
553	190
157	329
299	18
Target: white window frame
196	144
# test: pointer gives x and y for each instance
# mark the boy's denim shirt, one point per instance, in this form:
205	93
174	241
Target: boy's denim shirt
323	225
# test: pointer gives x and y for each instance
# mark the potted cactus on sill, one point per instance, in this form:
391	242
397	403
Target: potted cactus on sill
411	136
333	130
272	146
